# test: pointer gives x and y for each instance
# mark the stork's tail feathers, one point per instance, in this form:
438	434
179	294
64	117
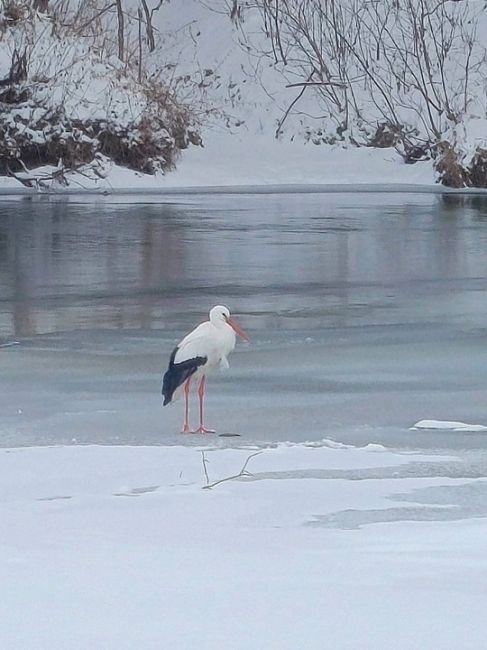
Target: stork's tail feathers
178	373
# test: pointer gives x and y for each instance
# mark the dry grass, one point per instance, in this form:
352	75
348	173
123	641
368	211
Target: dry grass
448	165
477	169
148	144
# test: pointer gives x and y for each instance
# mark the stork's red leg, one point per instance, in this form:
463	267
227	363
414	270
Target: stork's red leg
201	394
186	427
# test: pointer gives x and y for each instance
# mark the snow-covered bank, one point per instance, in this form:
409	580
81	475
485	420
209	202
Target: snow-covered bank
227	162
259	162
120	548
234	92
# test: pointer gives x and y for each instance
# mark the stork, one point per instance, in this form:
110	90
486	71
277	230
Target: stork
201	351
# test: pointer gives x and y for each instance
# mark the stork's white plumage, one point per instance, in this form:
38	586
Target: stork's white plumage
201	351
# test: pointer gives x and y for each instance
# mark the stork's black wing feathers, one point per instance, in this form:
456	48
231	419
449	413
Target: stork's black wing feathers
178	373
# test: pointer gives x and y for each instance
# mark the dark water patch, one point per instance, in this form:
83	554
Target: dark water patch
433	503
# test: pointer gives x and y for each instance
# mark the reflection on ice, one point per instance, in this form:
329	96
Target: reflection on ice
290	262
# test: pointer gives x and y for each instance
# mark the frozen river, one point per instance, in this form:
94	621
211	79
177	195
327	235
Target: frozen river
367	313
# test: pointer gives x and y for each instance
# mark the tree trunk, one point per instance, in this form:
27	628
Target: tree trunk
148	27
121	30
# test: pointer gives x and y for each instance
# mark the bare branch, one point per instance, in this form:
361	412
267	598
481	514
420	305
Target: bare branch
204	461
243	472
289	109
317	83
139	70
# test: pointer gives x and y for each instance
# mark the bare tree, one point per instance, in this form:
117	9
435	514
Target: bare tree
412	64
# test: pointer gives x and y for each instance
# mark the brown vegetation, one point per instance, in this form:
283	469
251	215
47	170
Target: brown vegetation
35	132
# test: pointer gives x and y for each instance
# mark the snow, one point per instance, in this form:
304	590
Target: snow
258	161
444	425
120	547
9	184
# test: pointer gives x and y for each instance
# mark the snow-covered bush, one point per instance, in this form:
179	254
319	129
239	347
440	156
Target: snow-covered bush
382	73
66	97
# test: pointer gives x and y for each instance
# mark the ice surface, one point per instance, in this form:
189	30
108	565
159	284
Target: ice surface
366	312
361	322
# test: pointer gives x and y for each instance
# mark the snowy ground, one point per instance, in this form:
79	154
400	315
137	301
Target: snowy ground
262	161
231	161
121	548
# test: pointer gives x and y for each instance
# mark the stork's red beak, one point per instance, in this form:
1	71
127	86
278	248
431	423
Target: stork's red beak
237	329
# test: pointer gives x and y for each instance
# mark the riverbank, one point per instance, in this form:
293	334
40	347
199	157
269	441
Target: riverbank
229	163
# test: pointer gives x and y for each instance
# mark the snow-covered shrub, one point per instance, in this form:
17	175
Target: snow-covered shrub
382	73
477	170
449	165
456	169
66	98
31	136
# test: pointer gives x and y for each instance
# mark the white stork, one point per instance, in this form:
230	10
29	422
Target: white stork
200	352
